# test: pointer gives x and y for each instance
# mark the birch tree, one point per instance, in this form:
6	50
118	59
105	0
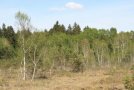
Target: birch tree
100	52
86	52
37	51
23	22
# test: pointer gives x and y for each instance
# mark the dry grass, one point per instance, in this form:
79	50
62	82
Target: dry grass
89	80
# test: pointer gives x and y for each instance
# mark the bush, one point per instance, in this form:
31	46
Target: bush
132	68
129	82
6	53
77	66
3	82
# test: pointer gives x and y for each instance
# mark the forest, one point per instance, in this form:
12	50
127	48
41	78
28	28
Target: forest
34	54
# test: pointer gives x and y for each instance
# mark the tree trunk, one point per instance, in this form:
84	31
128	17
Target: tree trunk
24	59
34	62
64	64
34	72
24	67
98	57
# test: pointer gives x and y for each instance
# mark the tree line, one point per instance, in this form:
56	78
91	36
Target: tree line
60	48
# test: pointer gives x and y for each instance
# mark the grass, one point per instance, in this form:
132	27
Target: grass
89	80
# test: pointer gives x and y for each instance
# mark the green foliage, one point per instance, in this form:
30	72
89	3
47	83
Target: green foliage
113	32
132	68
23	19
69	30
77	65
1	33
68	50
57	28
9	34
3	82
129	82
6	51
76	29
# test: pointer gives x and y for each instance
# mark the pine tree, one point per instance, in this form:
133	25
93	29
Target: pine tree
57	28
69	30
11	36
76	29
1	32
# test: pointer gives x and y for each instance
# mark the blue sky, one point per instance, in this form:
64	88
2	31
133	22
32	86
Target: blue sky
94	13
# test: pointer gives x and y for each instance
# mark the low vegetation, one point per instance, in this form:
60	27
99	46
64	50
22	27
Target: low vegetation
94	79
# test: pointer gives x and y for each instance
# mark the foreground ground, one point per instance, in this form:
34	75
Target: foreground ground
89	80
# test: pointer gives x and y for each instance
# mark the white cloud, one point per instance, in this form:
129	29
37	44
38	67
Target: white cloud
69	5
57	9
73	5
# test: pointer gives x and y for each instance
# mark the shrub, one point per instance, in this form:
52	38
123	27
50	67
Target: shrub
77	65
6	53
3	82
129	82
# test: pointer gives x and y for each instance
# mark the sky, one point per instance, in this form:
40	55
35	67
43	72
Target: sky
94	13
